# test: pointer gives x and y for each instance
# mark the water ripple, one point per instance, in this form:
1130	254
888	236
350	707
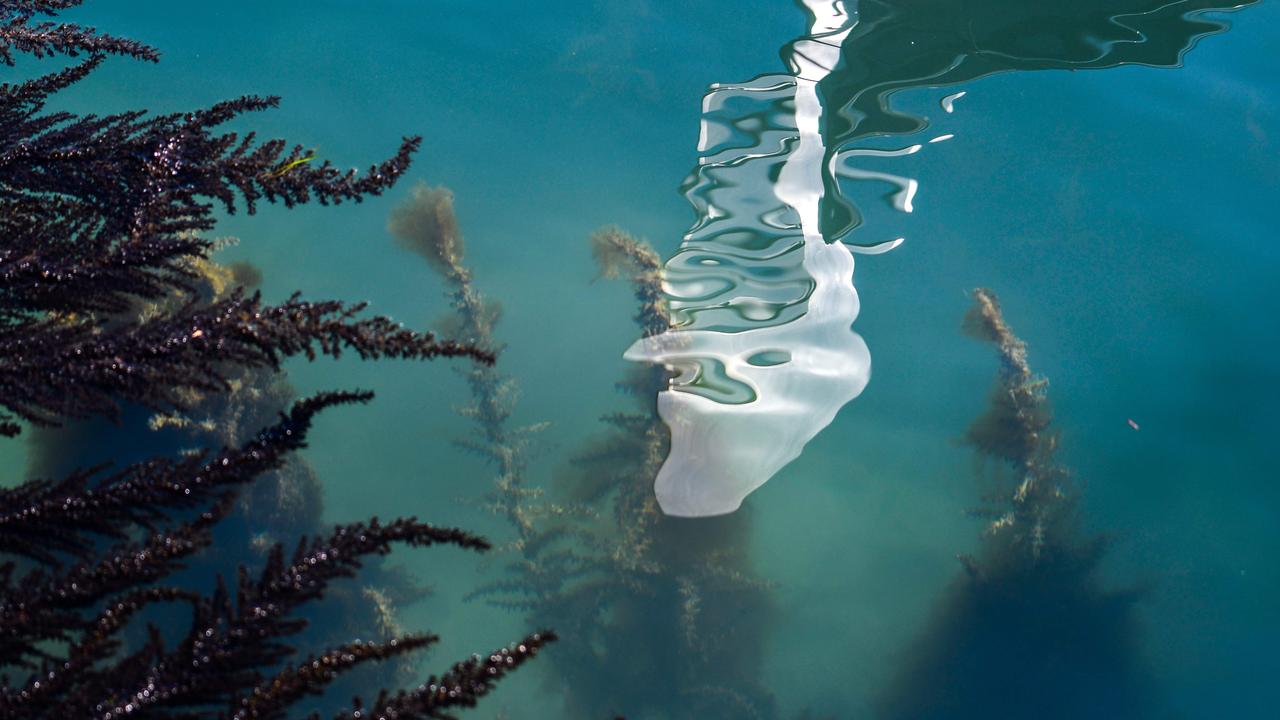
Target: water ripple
762	304
761	290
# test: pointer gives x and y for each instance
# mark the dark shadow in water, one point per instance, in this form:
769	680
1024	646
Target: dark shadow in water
1041	640
901	44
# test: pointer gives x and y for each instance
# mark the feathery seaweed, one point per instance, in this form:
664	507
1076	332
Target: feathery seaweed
101	216
1029	624
635	593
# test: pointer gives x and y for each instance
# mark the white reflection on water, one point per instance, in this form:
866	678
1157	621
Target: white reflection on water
758	190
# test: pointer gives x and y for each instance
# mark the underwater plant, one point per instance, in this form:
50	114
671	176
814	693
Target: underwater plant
673	602
661	601
1029	629
284	503
426	225
100	222
63	623
99	211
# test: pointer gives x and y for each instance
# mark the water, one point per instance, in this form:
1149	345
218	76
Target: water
1123	216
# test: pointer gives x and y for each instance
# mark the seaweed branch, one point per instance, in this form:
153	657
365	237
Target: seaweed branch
461	687
427	225
620	255
635	593
1016	429
99	214
1028	621
41	519
231	637
56	368
99	211
43	39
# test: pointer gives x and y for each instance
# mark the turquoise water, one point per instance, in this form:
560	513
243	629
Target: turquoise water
1124	216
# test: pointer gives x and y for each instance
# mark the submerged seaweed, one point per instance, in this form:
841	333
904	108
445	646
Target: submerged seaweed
671	605
672	602
1029	630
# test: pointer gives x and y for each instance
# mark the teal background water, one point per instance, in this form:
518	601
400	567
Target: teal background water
1126	217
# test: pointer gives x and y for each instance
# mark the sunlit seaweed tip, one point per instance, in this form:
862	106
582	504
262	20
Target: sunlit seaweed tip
427	225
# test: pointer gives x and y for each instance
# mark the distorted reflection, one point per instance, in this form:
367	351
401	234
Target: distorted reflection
767	268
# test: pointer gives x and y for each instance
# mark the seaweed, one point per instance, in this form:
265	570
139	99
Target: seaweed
111	309
1028	629
671	602
285	503
426	225
663	602
62	622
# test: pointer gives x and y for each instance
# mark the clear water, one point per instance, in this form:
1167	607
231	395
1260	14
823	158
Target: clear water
1125	216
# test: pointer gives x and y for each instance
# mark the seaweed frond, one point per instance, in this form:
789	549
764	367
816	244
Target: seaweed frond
460	687
426	225
44	39
618	254
73	369
109	299
1015	428
1028	621
41	519
232	638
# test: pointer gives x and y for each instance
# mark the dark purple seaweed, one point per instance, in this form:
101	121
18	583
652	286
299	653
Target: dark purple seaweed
100	222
